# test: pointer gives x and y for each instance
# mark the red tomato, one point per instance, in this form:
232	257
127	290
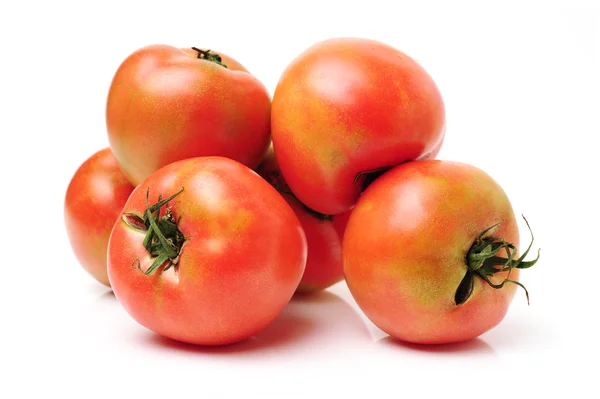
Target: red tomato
94	200
417	252
232	254
324	233
167	104
348	107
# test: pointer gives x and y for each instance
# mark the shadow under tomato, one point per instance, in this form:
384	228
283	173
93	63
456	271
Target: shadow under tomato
108	296
520	331
474	346
287	329
307	319
336	320
97	289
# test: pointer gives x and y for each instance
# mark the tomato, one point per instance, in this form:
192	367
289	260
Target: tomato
324	233
231	254
348	107
166	104
94	200
418	253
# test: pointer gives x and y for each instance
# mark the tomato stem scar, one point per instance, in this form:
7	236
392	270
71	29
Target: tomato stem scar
208	56
483	261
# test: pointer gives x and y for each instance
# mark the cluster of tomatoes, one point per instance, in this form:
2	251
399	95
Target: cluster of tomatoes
214	204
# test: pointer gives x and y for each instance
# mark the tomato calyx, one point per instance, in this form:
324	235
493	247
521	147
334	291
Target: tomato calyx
208	56
163	239
483	261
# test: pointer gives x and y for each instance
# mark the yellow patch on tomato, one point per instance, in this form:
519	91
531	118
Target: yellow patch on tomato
332	156
366	206
240	219
428	285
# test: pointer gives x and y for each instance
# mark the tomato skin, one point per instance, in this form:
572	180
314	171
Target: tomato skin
93	202
244	255
165	105
323	233
324	239
405	251
433	153
348	106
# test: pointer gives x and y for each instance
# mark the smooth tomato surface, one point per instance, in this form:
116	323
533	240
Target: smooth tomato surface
346	107
406	245
243	255
324	238
324	233
93	202
165	105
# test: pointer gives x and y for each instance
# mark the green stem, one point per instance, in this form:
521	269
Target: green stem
163	239
483	261
208	56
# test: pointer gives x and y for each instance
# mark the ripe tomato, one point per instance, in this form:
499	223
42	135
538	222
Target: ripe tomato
94	200
348	107
424	252
230	256
324	233
167	104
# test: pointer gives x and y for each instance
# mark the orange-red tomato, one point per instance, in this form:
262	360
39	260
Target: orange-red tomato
345	108
166	104
414	252
324	233
94	200
324	237
231	256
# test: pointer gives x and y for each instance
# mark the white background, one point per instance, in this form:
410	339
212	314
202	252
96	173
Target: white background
520	82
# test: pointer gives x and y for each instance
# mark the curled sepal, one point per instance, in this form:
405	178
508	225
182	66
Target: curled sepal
483	259
163	239
208	56
134	221
465	289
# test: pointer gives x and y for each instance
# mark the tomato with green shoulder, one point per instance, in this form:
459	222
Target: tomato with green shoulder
431	252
